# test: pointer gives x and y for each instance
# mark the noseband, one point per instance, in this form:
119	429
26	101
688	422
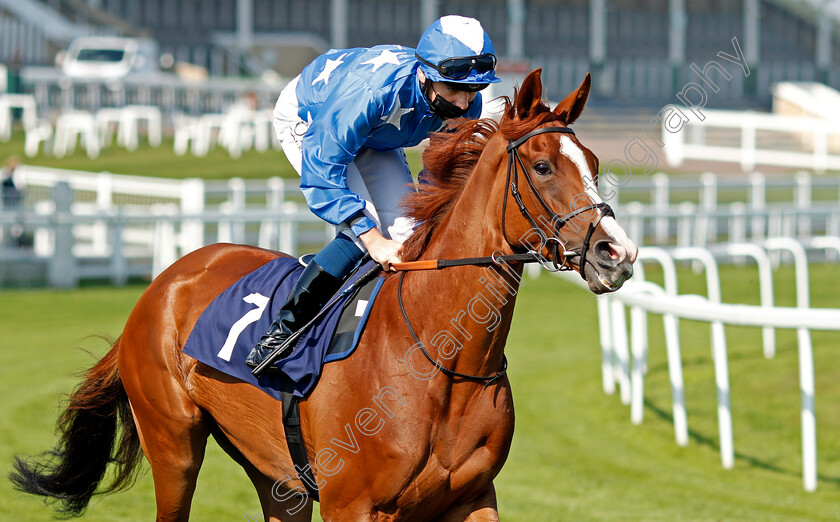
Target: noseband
556	221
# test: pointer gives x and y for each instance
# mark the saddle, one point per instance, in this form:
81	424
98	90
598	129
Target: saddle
230	326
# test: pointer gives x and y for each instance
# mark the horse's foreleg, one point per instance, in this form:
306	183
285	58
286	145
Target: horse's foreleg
481	509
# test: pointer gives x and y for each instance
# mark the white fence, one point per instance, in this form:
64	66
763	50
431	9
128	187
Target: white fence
692	210
105	226
786	141
762	218
143	244
641	297
656	210
709	189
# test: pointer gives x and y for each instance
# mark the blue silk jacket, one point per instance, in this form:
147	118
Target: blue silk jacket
356	98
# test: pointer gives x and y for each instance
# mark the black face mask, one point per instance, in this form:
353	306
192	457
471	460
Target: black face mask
440	105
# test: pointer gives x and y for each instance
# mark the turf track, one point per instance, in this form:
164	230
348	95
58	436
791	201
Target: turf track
575	454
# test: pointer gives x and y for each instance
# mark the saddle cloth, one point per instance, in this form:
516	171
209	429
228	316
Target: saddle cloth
233	323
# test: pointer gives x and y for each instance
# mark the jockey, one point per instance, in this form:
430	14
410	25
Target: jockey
343	123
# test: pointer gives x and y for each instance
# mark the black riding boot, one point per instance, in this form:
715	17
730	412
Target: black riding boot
312	291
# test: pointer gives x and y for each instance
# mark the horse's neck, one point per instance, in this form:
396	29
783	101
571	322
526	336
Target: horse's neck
469	307
473	227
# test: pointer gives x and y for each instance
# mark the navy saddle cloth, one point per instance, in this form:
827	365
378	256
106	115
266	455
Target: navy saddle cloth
233	323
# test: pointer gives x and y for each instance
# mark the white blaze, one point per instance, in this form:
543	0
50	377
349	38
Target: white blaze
571	150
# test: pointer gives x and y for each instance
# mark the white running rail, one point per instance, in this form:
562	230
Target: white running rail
815	136
644	297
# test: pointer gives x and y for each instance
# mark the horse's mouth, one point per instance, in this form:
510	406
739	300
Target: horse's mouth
602	280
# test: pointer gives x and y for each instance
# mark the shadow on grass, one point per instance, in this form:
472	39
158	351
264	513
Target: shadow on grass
701	361
710	442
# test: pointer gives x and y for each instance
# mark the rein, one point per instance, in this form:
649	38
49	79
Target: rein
556	221
446	371
438	264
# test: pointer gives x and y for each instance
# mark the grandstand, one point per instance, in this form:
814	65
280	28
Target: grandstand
639	50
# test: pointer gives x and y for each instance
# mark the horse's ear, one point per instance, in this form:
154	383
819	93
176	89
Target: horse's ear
529	95
569	109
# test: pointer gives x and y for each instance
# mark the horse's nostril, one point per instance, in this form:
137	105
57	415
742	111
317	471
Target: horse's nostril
607	253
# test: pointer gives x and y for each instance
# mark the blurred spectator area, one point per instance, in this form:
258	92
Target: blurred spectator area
639	50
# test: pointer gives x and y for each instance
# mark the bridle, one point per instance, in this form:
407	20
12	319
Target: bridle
556	221
550	241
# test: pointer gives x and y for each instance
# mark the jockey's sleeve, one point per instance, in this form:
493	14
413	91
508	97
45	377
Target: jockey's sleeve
335	136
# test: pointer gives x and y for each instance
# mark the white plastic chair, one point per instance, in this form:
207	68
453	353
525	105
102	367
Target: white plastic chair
16	101
263	129
69	126
41	132
237	133
187	130
107	121
131	117
209	129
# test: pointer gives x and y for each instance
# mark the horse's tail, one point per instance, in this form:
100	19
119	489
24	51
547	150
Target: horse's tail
97	415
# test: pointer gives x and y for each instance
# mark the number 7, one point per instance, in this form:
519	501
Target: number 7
238	327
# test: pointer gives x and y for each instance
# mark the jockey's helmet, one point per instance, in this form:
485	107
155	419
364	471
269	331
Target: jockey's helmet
456	49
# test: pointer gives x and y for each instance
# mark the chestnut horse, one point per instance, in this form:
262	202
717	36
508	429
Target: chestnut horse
390	435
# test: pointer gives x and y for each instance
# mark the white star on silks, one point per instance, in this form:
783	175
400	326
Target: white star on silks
395	116
385	57
328	69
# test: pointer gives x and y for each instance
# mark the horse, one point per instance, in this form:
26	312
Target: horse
393	432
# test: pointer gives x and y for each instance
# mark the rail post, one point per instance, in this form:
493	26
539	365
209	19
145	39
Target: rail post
62	270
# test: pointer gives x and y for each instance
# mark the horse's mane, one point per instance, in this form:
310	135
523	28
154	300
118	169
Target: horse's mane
449	160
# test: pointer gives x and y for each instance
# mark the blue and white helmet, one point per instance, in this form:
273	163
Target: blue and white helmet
456	49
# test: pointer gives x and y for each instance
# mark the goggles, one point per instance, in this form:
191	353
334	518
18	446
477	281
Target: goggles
459	68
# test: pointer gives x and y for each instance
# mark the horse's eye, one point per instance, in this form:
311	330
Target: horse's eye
542	168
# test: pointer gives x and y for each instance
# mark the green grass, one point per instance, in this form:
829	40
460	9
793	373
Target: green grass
44	337
163	162
575	454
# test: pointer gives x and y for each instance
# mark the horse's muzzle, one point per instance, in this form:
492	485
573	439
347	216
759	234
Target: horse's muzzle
609	265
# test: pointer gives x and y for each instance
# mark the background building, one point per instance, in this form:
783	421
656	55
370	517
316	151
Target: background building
639	50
